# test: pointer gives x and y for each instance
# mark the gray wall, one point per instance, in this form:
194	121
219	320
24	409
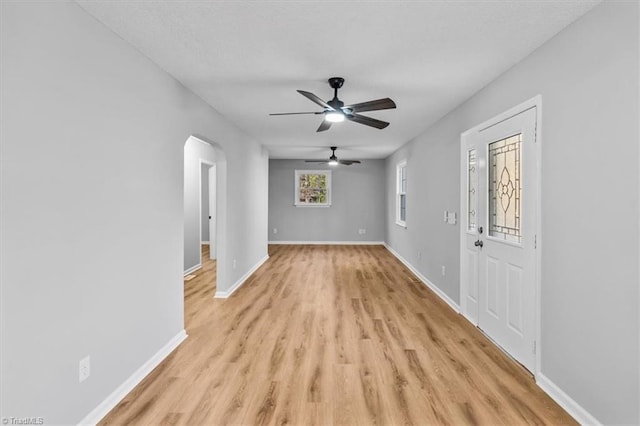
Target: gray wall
357	203
194	152
588	78
204	197
91	208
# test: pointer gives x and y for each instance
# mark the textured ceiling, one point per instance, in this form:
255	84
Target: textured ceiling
247	58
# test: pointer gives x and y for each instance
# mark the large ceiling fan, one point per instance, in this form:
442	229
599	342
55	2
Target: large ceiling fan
335	110
333	160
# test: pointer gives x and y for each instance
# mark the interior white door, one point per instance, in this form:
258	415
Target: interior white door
499	233
212	213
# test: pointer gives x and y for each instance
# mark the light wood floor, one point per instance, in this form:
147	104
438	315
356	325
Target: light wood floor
328	335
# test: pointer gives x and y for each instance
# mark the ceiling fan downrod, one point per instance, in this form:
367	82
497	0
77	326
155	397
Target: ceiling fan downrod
336	83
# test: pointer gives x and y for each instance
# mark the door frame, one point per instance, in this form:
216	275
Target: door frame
211	165
535	102
213	211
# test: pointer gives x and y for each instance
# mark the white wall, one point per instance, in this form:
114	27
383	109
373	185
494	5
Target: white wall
357	203
588	78
195	152
91	207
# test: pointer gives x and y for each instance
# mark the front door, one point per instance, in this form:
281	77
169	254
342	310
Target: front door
498	259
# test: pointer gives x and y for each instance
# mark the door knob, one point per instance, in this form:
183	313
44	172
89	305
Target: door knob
478	243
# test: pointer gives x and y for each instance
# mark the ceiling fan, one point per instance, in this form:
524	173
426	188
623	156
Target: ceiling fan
333	160
335	110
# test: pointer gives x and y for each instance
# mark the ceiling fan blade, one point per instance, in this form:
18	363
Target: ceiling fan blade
295	113
367	121
316	161
325	125
376	105
349	162
314	98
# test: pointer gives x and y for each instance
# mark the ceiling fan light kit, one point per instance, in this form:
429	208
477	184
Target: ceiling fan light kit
335	110
334	117
333	159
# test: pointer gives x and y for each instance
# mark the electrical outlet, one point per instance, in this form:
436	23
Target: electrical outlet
84	369
362	231
444	271
275	230
419	254
233	264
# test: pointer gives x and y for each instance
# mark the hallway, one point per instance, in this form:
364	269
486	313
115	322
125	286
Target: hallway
332	335
199	290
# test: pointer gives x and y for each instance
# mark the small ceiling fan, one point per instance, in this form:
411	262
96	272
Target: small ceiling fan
333	160
335	110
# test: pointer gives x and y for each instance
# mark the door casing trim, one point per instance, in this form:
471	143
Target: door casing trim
535	102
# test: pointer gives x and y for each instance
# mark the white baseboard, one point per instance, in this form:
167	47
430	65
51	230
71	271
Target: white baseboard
425	281
234	287
330	243
123	390
576	411
565	401
192	269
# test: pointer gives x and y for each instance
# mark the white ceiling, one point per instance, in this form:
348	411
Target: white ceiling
247	58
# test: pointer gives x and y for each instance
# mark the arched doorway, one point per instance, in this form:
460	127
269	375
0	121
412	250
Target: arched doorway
198	152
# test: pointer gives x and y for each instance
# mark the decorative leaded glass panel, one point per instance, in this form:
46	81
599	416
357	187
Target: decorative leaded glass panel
505	189
472	183
401	193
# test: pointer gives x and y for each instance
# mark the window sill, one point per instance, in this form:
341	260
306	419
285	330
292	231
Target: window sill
402	224
312	205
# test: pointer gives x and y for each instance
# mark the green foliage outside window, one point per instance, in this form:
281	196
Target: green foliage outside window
313	188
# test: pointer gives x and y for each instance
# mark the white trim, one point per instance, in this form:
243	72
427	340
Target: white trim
538	237
202	161
123	390
220	243
401	165
449	301
193	269
464	226
213	212
330	243
576	411
204	243
535	102
234	287
195	138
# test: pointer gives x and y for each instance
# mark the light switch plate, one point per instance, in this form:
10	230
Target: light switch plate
452	218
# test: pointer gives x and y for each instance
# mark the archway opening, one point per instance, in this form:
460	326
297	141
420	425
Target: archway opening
204	166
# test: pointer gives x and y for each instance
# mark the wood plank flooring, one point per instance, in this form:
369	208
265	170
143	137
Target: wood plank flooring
332	335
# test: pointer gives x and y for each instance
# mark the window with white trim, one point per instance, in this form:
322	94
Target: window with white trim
401	193
312	188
